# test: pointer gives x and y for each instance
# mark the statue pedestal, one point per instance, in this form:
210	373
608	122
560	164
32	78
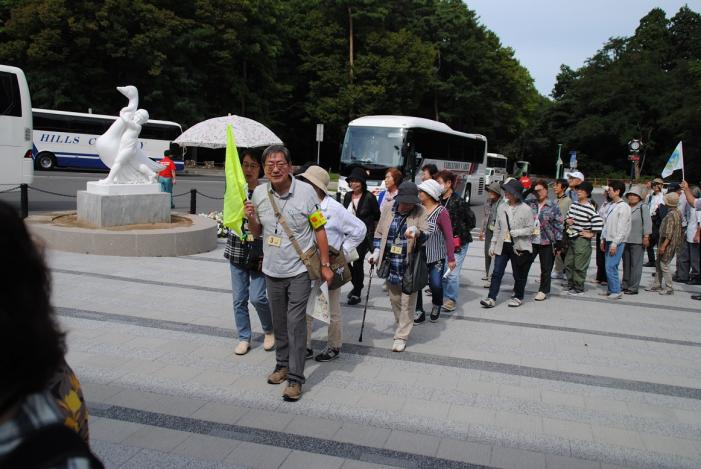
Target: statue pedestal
123	204
95	187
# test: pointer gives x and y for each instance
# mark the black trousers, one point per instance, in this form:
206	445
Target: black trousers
547	259
654	238
358	269
601	260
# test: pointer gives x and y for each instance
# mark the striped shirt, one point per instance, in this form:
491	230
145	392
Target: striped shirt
436	247
585	218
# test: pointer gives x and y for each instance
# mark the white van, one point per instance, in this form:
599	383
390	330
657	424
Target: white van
16	164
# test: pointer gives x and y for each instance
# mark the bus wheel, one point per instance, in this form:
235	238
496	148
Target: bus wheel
468	193
46	161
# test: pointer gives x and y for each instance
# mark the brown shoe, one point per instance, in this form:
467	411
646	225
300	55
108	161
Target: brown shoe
268	342
292	392
278	376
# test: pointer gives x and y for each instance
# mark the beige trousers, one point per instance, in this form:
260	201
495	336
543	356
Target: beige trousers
403	307
335	339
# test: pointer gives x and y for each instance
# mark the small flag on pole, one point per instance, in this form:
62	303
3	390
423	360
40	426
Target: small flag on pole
236	187
675	162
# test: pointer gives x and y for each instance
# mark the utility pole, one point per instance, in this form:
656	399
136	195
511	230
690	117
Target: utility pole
350	42
558	165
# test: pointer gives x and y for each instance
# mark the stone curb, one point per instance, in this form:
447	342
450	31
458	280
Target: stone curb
200	237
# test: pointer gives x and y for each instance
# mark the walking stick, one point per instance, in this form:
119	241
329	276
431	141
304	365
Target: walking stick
365	310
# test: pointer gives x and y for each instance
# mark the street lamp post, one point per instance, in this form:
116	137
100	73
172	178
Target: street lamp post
558	165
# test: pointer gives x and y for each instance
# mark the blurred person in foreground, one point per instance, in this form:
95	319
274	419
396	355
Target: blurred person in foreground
43	418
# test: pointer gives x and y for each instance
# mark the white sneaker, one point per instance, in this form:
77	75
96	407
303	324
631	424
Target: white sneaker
399	345
515	303
540	296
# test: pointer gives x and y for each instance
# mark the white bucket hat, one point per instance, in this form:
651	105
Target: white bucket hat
432	188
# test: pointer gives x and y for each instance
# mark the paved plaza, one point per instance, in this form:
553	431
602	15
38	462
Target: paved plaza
568	383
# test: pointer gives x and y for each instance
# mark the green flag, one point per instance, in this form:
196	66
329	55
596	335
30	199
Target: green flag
236	187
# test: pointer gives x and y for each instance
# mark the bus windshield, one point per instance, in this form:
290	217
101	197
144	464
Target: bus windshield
496	162
373	146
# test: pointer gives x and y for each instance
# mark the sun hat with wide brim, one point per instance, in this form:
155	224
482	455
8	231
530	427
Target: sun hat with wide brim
408	193
636	190
317	176
514	188
671	199
432	188
495	187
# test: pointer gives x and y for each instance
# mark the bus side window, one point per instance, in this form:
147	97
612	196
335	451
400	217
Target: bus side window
10	101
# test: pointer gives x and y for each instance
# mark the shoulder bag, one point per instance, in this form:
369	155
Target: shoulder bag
339	267
415	270
310	259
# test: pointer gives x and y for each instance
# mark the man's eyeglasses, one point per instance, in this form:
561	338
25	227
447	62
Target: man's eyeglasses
251	165
276	164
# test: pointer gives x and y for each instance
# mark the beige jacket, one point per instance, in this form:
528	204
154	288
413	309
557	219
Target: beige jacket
416	218
521	219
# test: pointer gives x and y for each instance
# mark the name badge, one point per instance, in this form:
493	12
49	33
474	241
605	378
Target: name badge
396	249
507	237
250	238
536	231
275	241
491	227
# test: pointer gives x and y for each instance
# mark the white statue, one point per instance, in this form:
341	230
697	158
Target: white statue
119	147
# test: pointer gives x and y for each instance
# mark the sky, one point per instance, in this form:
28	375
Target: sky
547	33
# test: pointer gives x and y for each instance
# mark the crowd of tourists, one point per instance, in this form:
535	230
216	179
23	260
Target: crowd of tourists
415	238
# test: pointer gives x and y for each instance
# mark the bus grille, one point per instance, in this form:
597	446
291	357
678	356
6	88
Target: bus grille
480	188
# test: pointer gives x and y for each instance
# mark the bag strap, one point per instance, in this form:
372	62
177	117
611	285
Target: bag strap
286	228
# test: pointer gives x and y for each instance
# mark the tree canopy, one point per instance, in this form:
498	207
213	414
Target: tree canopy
647	86
291	64
287	64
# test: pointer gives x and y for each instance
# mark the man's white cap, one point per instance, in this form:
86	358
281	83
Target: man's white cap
575	174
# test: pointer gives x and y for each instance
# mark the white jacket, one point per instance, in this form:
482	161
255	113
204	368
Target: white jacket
617	223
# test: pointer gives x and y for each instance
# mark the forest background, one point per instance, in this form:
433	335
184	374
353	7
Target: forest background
292	64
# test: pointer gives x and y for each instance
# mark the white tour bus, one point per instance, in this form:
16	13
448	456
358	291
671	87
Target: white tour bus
67	139
16	165
496	168
376	143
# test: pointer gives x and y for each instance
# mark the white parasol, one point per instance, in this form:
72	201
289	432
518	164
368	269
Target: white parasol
212	133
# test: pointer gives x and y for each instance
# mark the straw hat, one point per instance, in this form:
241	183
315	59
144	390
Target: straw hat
317	176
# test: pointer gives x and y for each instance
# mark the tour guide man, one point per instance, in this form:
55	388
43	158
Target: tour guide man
286	277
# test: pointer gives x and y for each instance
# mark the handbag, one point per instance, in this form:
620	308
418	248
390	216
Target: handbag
254	258
339	267
310	258
415	271
382	270
522	257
